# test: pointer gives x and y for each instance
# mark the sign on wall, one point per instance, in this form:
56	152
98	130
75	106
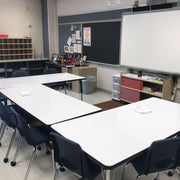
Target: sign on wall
87	36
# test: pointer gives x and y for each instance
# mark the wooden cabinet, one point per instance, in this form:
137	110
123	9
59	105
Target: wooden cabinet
134	88
80	71
16	48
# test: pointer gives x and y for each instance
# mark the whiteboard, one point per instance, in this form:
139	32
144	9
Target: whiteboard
151	41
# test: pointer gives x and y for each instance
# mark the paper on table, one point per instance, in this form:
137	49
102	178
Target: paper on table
25	93
142	109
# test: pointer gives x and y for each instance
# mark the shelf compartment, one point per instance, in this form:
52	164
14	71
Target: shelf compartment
116	87
116	79
132	83
115	95
129	95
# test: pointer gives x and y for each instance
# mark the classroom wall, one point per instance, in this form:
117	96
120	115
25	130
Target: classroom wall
72	7
16	15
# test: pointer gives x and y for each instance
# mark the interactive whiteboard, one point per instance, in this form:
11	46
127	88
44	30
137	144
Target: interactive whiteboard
151	41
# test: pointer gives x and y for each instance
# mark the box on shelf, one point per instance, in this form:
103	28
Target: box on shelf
3	35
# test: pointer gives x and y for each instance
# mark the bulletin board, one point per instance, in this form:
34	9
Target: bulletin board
105	41
67	32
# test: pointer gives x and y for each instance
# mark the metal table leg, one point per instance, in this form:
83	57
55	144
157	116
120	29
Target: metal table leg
108	175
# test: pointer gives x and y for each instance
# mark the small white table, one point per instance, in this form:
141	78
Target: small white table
111	137
46	104
40	79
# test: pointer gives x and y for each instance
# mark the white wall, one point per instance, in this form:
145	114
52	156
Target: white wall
71	7
15	15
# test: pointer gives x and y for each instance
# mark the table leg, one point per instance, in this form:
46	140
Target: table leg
108	175
81	90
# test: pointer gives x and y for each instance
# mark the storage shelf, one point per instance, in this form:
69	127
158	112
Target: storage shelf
134	88
142	91
16	48
16	54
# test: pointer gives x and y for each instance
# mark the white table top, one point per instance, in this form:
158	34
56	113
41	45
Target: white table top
38	79
112	136
46	104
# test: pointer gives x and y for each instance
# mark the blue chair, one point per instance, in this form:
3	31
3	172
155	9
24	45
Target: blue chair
162	155
34	136
8	119
58	84
19	73
69	154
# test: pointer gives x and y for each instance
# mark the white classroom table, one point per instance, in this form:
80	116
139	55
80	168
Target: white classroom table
46	104
40	79
112	137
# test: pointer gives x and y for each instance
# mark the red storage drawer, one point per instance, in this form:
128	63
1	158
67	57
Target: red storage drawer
132	83
129	95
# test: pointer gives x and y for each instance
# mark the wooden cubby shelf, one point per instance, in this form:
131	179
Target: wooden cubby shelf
16	48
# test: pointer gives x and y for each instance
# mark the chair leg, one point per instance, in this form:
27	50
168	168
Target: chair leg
137	177
2	132
30	163
65	89
102	173
108	175
124	171
55	174
13	162
156	178
9	147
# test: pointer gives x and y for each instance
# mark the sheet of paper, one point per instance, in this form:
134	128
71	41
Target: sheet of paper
66	48
78	35
69	41
79	48
71	49
73	38
75	48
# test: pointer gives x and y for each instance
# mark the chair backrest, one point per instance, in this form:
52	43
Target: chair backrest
69	154
19	73
162	155
50	71
8	116
24	129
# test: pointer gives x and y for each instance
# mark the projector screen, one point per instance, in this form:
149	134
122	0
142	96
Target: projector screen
151	41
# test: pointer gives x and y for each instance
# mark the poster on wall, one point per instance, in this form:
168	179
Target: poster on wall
75	48
66	49
79	48
78	35
87	36
73	38
69	41
71	49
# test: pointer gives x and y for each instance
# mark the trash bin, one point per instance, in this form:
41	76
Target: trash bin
88	84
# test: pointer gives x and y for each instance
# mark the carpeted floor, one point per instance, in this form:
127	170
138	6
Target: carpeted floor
109	105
